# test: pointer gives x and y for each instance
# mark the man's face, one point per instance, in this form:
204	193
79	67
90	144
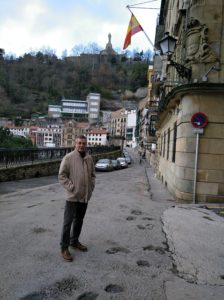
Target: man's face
80	145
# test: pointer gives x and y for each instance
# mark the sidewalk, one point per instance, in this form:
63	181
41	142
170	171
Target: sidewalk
195	236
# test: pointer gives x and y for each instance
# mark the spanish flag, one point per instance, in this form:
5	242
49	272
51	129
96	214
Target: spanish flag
133	28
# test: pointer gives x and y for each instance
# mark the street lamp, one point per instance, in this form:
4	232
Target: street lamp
167	45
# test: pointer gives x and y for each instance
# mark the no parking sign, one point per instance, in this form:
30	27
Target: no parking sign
199	120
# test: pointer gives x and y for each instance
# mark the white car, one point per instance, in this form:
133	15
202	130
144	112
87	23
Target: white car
104	165
123	162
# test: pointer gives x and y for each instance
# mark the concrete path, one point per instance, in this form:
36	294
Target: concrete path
142	246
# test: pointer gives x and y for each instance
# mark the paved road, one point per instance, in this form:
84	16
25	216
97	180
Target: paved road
129	256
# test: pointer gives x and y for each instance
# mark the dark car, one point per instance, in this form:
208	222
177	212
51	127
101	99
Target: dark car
128	159
123	162
116	164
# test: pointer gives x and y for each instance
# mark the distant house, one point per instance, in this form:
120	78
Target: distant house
97	137
19	130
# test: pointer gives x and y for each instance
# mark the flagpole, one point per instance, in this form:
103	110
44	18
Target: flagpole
156	50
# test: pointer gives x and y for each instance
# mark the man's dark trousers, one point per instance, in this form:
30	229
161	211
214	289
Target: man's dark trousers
73	219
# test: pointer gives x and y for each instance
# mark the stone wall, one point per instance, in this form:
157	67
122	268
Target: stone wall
40	169
178	175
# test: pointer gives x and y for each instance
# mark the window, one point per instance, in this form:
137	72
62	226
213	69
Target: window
93	116
174	141
152	125
92	109
161	145
164	144
168	144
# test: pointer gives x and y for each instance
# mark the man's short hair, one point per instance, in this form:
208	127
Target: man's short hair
81	137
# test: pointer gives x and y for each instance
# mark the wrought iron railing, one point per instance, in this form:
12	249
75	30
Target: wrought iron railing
14	157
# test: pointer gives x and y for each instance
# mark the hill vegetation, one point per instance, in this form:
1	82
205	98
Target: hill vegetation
8	141
30	83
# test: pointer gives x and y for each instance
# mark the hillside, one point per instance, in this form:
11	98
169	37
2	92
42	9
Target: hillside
30	83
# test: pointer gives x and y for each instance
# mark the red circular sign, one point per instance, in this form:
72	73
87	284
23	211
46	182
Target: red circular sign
199	120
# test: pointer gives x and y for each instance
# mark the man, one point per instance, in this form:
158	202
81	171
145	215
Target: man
77	176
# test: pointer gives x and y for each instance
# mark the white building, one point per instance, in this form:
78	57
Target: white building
54	111
19	130
97	137
75	109
93	100
130	128
49	136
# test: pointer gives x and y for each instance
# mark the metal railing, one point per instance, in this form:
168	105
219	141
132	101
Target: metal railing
15	157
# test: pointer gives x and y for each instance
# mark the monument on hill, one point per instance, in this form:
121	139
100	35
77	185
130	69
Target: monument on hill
108	54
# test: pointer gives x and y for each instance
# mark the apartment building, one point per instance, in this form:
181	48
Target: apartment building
93	100
51	136
118	122
73	109
97	137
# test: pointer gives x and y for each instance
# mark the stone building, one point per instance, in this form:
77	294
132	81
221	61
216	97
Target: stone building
147	116
123	127
192	81
71	130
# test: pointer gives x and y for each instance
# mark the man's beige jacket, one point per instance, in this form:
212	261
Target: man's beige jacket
77	176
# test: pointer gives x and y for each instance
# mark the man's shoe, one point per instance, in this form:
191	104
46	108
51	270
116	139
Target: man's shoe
79	246
67	255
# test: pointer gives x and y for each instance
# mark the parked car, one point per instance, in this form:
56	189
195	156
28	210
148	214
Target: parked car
116	164
104	165
125	152
128	159
123	162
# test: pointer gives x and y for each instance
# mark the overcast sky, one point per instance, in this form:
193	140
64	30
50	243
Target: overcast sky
27	25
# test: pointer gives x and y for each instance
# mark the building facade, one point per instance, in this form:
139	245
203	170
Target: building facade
147	116
51	136
118	122
71	130
130	139
93	100
19	130
198	28
97	137
73	109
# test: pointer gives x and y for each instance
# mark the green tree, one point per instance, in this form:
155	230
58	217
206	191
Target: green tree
7	140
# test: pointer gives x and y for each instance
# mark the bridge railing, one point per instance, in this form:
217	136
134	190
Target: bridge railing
15	157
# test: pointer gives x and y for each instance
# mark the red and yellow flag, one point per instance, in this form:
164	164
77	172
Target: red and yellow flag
133	28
